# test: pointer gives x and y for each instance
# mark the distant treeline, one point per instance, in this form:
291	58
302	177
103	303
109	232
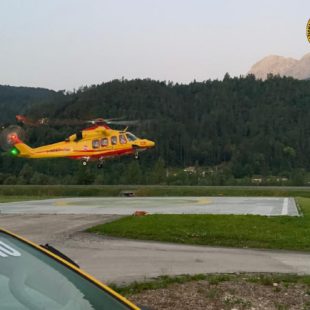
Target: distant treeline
228	131
18	100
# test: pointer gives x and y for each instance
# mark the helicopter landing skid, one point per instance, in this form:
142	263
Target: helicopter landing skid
85	161
136	152
100	164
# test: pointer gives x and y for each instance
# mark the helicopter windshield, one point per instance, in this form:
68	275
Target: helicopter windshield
131	137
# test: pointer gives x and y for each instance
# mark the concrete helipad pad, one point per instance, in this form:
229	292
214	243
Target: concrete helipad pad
156	205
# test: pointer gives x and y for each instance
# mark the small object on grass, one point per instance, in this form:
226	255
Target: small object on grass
127	194
140	213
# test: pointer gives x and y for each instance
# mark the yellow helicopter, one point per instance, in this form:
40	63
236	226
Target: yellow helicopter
95	143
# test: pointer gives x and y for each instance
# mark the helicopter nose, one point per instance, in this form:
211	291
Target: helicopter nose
151	144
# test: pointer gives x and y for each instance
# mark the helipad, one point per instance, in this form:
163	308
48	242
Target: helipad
268	206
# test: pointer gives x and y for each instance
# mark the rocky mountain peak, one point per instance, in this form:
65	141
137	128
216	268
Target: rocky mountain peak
283	66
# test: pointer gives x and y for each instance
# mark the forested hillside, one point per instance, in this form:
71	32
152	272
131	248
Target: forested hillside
17	100
228	131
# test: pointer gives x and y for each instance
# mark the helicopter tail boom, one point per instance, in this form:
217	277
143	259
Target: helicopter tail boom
24	149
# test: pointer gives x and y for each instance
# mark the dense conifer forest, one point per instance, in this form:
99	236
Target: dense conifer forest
16	100
235	131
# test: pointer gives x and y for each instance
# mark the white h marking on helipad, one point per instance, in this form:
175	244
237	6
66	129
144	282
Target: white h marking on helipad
285	207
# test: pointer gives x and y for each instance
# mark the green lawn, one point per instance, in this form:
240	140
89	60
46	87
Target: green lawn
151	190
284	232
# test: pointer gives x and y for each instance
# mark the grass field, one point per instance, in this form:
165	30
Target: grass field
143	190
285	232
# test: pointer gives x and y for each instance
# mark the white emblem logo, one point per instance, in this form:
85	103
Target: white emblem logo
6	250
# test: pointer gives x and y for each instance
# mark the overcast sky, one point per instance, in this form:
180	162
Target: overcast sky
64	44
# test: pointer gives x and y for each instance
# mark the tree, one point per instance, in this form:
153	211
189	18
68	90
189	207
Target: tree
26	173
132	174
158	174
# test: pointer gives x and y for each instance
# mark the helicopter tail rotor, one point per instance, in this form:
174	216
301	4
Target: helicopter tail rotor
10	136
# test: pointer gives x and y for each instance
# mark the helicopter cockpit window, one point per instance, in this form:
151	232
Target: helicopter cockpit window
131	137
122	139
95	144
104	142
78	136
113	140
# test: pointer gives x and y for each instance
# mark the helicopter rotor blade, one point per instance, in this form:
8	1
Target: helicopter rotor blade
124	123
68	122
113	121
44	121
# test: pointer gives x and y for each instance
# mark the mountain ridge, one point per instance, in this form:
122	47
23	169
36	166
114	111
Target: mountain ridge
283	66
